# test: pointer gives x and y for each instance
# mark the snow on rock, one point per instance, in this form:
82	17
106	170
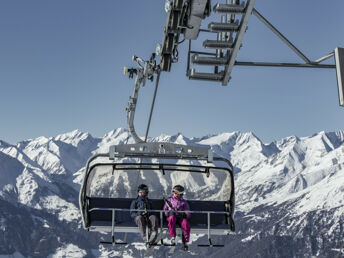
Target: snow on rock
303	166
10	169
27	187
177	139
79	177
114	137
65	210
104	253
14	255
4	144
68	250
46	154
73	138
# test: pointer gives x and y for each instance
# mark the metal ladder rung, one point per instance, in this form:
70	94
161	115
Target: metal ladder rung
217	44
208	60
229	8
193	75
223	27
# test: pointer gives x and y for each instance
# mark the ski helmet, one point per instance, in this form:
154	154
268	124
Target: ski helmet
178	189
143	188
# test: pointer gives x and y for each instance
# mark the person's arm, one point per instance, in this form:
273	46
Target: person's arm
165	209
167	206
133	214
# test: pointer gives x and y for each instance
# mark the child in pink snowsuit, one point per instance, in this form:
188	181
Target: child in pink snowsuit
177	203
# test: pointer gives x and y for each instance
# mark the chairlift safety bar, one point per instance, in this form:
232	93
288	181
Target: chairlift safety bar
113	211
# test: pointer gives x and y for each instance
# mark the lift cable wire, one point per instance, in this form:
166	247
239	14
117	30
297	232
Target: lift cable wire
153	102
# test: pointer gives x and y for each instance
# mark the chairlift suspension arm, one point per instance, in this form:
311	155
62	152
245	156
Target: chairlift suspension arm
146	70
132	107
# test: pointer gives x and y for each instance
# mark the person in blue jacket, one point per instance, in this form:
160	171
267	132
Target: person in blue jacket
142	217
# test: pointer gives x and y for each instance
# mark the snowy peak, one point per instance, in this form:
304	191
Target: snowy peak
287	142
178	138
119	135
4	144
332	140
115	133
114	137
73	137
221	139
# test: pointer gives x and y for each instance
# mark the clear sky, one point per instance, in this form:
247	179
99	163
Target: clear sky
61	65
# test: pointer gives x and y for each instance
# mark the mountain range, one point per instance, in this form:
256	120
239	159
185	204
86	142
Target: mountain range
289	196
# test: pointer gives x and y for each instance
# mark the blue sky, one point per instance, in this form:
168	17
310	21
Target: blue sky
61	66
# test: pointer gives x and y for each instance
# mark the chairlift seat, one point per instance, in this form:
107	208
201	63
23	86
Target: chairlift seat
100	215
103	214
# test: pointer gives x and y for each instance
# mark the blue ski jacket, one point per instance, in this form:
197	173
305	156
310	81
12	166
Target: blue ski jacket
140	203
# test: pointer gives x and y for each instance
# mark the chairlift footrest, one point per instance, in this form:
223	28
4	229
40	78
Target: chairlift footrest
115	243
208	245
152	245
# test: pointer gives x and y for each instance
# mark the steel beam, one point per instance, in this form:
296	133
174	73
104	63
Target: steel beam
238	40
297	65
280	35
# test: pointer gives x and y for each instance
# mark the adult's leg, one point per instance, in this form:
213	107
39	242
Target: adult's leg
172	220
141	223
185	225
154	223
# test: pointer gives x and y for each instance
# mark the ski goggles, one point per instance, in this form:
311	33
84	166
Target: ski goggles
177	192
143	191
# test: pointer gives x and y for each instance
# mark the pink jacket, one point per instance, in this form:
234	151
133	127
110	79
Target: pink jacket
178	204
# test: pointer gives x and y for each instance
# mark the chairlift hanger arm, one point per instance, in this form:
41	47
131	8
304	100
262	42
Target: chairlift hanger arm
146	70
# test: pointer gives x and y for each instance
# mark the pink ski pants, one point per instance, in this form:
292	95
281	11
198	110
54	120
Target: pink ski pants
184	224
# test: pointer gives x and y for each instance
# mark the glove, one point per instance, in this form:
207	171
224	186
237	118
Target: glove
144	213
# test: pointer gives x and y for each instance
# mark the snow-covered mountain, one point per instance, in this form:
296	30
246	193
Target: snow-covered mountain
289	196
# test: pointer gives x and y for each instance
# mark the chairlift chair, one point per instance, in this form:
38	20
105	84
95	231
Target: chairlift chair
105	195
